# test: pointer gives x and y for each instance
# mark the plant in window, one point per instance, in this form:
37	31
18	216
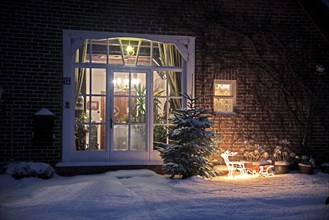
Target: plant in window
191	143
81	130
139	111
160	131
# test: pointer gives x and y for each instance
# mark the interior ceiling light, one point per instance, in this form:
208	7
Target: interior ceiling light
130	50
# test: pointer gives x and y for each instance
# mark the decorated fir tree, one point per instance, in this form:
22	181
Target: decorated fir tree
190	145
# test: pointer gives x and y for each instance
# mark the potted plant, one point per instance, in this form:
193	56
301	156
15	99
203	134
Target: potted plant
283	157
256	156
306	165
325	167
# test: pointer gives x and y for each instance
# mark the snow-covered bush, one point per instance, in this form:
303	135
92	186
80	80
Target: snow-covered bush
190	143
30	169
256	152
284	152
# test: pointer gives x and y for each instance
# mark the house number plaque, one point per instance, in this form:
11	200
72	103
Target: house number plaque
67	80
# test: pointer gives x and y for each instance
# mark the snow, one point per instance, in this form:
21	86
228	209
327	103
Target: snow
143	194
44	111
282	162
28	169
261	163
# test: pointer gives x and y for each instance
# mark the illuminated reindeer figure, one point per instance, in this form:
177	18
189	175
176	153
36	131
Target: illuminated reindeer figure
233	165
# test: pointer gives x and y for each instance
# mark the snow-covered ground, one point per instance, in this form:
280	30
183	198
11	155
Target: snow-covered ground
142	194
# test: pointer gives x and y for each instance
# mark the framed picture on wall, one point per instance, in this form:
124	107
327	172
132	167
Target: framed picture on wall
93	105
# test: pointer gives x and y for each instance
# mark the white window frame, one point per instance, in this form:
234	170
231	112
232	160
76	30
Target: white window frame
72	40
232	97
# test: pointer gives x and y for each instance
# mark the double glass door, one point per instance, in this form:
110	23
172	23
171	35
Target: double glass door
111	114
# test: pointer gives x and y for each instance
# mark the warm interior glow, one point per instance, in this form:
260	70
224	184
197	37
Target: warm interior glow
119	82
223	89
130	50
237	177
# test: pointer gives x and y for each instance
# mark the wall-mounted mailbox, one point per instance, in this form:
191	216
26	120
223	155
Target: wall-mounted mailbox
43	122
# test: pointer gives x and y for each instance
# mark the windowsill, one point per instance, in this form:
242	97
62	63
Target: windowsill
226	113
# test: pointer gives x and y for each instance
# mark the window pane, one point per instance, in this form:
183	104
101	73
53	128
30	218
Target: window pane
88	52
80	80
159	83
99	51
96	142
97	108
81	53
80	104
223	105
144	54
115	53
156	59
175	58
175	83
129	48
166	55
174	104
121	82
101	135
121	109
138	137
138	103
120	137
98	77
160	134
138	109
138	84
81	132
159	110
223	89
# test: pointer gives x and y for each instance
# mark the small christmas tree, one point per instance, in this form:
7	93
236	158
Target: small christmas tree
190	143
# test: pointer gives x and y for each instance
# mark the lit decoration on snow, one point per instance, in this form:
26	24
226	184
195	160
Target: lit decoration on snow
245	173
233	165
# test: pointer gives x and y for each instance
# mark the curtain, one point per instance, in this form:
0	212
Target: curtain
170	56
80	72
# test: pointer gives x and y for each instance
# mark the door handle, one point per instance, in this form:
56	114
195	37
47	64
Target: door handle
111	123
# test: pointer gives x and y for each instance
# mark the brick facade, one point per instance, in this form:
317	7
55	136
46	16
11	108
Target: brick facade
261	44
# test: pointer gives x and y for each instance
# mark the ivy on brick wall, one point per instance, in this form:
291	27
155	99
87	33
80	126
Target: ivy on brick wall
272	53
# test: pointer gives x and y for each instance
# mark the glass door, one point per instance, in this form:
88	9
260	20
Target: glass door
128	122
90	111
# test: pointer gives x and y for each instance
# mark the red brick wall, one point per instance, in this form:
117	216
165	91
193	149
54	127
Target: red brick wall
31	59
271	51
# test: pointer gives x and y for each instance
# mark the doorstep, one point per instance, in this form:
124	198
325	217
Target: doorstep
83	168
